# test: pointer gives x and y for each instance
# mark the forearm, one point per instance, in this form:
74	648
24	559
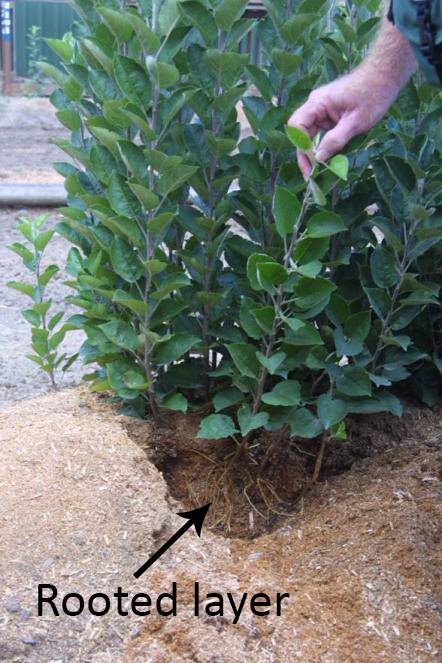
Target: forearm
390	60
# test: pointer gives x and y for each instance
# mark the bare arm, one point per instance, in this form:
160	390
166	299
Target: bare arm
353	104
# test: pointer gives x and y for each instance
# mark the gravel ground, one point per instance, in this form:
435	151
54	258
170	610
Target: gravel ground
19	377
26	151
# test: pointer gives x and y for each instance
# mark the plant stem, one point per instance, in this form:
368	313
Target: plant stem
269	342
396	292
38	257
319	460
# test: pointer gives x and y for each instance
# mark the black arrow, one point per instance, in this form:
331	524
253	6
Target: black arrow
195	518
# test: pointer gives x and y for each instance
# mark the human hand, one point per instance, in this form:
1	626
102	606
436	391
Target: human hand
343	109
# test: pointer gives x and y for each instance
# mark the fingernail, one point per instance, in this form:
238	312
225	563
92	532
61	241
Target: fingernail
321	155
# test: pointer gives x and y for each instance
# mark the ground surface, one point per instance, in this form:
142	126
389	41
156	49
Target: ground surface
81	506
26	153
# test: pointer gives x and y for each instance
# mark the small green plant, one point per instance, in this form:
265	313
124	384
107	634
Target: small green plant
34	48
47	331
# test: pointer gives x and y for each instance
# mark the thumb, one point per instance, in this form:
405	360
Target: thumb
335	139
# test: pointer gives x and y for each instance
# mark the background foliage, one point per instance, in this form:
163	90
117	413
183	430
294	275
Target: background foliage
206	270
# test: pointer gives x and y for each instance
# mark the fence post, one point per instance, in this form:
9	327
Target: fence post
6	36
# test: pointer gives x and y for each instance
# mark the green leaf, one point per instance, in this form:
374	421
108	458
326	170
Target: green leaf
330	410
401	341
61	47
121	198
227	12
339	166
379	300
103	86
264	316
270	275
170	284
125	299
286	209
149	41
48	274
384	402
165	75
325	224
216	427
287	393
304	424
155	266
226	68
125	261
32	317
354	381
159	224
307	250
311	269
299	138
383	266
357	326
318	195
147	198
132	79
120	333
43	239
296	27
249	421
24	253
261	80
117	22
108	138
338	431
96	56
135	380
252	264
305	335
247	319
309	292
133	157
402	173
227	398
244	358
172	349
271	363
52	72
22	287
286	63
115	372
70	119
201	19
176	402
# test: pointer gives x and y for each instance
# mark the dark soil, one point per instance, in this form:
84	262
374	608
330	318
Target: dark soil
256	493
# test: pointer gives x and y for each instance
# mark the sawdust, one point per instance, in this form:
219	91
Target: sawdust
79	507
82	506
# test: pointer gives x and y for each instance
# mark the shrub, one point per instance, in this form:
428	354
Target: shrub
207	271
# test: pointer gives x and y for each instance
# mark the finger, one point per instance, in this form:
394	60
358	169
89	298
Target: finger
337	138
308	117
304	165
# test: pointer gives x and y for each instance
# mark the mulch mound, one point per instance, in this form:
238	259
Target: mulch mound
82	505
